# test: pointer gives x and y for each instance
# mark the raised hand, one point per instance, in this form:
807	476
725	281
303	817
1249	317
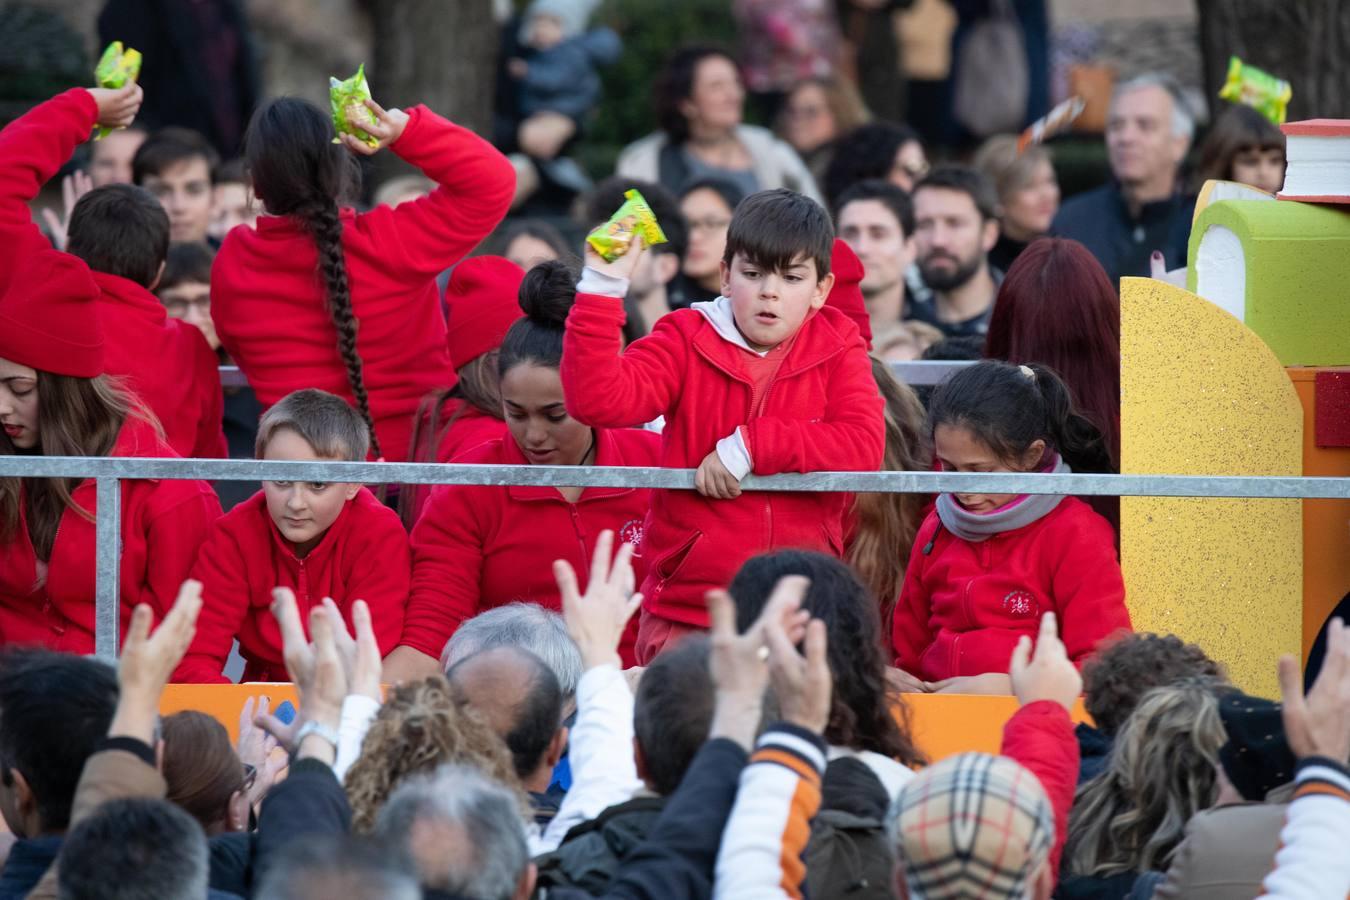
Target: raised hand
803	684
73	187
148	661
1319	724
623	266
597	619
387	128
1048	674
117	107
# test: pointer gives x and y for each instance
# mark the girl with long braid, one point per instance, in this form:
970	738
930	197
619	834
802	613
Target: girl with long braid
321	296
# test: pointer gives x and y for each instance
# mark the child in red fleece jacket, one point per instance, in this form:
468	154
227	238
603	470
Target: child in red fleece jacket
122	233
320	540
369	328
764	379
986	567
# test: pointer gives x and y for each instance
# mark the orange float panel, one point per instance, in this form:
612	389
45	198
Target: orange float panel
943	724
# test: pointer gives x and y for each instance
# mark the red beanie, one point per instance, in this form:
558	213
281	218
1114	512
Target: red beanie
481	304
47	318
846	296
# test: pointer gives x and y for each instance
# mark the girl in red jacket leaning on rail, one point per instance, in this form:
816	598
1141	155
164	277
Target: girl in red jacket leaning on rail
764	379
55	400
986	567
320	296
319	539
478	547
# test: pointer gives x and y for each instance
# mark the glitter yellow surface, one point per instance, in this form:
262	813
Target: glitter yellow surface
1201	394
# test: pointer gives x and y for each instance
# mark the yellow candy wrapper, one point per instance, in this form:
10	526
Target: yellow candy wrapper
115	69
613	239
1260	90
350	112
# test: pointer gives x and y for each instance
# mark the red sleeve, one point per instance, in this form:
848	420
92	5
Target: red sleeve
175	531
607	388
210	442
851	436
476	184
447	558
220	568
910	631
381	576
1089	590
33	148
1040	737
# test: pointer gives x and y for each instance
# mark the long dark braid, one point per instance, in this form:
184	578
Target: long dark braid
297	170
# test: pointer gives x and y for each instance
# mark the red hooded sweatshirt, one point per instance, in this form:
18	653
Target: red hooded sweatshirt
1040	737
480	547
268	302
163	524
165	362
820	411
362	556
964	604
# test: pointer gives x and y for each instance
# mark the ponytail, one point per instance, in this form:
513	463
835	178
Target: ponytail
1010	407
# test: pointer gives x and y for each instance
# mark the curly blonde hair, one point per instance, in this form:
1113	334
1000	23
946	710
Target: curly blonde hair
419	728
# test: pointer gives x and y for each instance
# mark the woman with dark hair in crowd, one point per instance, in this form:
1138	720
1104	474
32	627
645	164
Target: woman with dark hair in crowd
708	205
878	150
476	547
1243	146
204	774
700	99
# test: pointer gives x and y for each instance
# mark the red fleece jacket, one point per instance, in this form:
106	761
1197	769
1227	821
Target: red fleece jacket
165	362
1040	737
362	556
820	412
163	524
269	306
964	605
480	547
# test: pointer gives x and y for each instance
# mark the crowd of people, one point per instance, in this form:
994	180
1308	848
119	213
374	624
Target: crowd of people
513	692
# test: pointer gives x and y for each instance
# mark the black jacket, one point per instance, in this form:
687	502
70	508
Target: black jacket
592	852
1122	243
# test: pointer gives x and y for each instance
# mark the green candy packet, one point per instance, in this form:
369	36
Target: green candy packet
613	239
115	69
1260	90
350	113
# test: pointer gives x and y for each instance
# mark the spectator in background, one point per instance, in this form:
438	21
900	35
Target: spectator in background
231	201
873	48
204	775
110	158
200	68
1143	209
876	219
529	242
322	866
878	150
1028	194
815	113
782	42
708	205
657	285
179	167
700	101
526	625
133	848
955	227
1243	146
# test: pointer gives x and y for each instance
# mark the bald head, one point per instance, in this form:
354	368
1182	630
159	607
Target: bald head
518	696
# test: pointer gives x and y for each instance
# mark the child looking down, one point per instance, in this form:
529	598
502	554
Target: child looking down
764	379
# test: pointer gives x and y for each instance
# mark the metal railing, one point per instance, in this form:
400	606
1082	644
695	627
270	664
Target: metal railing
109	472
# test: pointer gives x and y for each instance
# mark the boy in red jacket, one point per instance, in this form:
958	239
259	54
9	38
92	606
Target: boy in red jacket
319	540
122	233
764	379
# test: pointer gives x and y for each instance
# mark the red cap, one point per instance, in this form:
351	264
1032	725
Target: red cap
481	304
846	296
47	318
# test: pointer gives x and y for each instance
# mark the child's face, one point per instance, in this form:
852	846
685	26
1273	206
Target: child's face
303	511
110	160
184	190
191	302
769	307
960	450
19	404
545	31
532	401
230	207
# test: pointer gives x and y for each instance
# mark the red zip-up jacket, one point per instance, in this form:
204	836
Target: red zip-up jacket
821	412
268	301
1040	737
165	362
362	556
477	547
163	524
964	605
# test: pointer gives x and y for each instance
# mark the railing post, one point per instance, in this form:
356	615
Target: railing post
108	554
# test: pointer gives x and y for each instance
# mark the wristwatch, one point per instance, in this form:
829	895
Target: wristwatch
317	728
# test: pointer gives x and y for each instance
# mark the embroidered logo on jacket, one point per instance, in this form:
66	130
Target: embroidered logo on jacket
1022	603
631	533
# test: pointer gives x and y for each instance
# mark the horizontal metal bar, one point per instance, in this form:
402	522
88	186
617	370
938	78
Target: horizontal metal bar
652	477
916	373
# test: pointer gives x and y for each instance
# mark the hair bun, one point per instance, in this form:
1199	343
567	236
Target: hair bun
547	293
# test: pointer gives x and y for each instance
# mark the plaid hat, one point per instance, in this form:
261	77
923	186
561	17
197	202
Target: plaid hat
972	826
1256	757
